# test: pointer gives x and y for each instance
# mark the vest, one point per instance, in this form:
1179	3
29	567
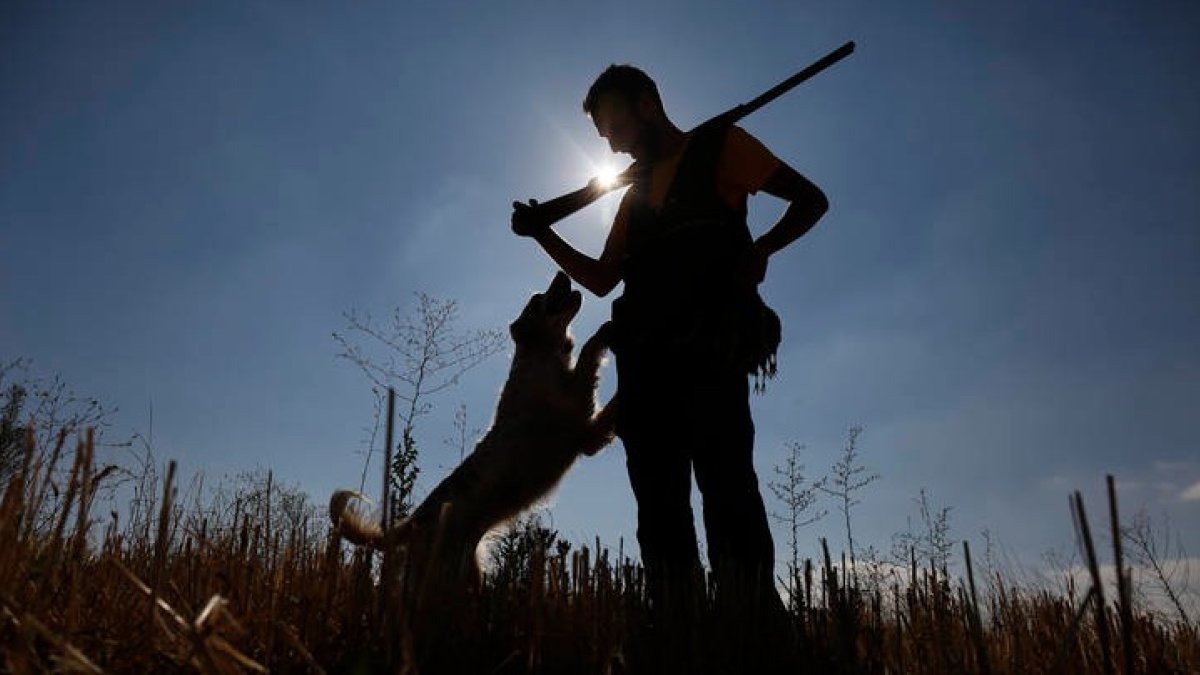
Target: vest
682	296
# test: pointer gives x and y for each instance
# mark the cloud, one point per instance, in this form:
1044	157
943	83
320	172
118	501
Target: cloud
1191	494
1182	574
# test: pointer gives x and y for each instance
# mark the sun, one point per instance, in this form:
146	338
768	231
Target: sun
607	175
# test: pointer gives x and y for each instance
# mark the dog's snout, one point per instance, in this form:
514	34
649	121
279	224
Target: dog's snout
561	283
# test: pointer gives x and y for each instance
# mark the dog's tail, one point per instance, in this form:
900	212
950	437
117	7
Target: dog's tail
354	528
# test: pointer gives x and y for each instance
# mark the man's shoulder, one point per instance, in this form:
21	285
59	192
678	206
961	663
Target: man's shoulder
745	161
738	130
740	139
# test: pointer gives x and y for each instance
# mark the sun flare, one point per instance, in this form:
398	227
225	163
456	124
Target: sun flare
606	175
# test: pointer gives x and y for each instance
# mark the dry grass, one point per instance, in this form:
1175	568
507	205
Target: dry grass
188	589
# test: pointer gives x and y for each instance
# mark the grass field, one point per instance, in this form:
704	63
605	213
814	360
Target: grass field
256	584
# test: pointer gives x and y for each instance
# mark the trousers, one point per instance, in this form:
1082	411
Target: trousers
679	416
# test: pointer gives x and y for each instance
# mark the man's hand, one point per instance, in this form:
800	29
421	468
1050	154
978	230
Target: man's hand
527	221
806	205
531	219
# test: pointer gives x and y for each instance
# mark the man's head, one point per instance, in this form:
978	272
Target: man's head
625	107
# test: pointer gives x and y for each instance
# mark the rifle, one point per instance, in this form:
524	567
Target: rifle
531	218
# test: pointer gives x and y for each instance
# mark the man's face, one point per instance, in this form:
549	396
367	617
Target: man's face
618	122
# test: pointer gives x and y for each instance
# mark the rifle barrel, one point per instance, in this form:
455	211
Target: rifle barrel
549	213
781	88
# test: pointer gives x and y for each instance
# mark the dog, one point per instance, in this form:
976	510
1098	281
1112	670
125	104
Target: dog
545	419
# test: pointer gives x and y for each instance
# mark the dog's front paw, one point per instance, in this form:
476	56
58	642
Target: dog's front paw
593	350
604	334
603	428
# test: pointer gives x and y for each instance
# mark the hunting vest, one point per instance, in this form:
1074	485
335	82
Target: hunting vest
682	295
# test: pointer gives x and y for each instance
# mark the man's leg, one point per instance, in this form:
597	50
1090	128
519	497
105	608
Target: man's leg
661	479
740	548
649	421
656	447
739	536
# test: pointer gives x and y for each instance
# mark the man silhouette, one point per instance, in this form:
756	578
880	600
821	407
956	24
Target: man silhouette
688	328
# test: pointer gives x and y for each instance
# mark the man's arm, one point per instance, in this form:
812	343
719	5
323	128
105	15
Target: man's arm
806	204
598	276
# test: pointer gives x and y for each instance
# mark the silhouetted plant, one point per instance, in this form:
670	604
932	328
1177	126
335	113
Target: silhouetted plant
419	355
847	478
279	507
1155	549
463	434
931	543
515	551
49	407
12	432
228	592
799	497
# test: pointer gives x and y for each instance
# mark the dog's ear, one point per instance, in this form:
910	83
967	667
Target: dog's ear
524	329
521	330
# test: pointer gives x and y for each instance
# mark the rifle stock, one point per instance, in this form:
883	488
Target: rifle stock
528	219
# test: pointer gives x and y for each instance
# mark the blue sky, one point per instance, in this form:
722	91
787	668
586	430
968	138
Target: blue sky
1004	292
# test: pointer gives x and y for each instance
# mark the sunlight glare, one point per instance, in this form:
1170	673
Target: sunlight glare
607	175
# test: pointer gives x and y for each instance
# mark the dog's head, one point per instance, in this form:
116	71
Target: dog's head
543	322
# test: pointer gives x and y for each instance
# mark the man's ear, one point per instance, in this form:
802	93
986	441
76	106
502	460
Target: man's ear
647	107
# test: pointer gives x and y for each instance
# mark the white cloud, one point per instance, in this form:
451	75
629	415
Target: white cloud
1183	575
1191	494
